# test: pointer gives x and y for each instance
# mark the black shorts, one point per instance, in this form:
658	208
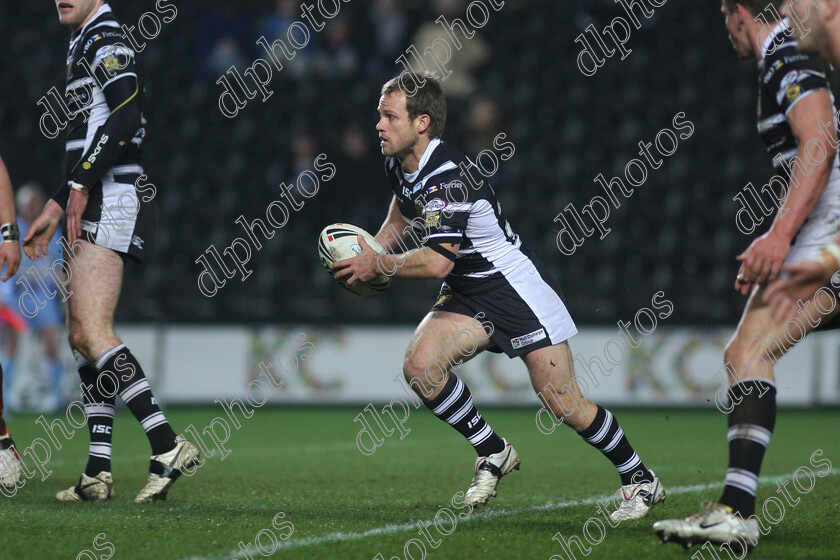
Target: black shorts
526	309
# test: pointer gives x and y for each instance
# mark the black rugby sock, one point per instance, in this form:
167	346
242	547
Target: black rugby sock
134	390
751	424
606	436
454	405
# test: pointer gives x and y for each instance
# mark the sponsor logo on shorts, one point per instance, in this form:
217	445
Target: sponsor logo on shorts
527	339
442	299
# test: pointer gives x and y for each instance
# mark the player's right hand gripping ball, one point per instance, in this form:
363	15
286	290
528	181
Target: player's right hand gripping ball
338	242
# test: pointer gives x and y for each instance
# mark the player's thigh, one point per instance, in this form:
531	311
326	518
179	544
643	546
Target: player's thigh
760	340
550	364
95	282
443	339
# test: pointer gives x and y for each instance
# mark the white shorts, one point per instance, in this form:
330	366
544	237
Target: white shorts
116	216
821	226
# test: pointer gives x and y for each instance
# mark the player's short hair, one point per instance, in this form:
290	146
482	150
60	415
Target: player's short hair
423	96
756	7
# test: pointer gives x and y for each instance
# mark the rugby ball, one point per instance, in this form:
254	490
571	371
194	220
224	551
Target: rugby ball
338	242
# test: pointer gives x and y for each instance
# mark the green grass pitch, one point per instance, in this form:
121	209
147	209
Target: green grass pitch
304	463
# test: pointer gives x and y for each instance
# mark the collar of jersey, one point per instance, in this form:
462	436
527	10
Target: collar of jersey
781	27
433	143
103	9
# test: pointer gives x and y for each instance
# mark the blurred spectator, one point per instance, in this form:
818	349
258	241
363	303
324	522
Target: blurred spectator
46	322
389	25
304	152
360	178
276	26
224	38
339	56
484	122
464	61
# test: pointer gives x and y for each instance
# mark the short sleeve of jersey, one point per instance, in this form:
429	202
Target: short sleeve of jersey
109	57
445	215
795	77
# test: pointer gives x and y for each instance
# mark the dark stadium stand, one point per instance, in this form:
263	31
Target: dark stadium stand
676	233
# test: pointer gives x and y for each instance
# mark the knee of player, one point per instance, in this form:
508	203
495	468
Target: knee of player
566	403
414	367
422	376
736	351
74	338
741	355
78	344
82	340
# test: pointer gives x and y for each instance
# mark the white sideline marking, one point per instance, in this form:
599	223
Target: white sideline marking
502	512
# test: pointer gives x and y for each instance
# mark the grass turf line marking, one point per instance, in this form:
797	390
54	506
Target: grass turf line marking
502	512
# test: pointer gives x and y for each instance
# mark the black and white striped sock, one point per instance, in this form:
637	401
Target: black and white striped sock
99	410
751	424
607	436
133	388
454	405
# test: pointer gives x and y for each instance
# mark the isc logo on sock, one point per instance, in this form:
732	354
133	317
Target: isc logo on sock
474	421
101	429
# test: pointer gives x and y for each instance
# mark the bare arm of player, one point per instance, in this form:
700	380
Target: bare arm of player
416	264
9	250
393	228
803	281
762	260
786	294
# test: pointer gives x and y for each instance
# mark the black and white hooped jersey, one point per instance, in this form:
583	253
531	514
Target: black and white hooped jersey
100	60
786	76
445	207
105	135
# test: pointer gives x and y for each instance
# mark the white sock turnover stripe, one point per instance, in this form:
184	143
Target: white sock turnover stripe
153	420
100	361
461	412
752	432
450	400
482	434
135	389
99	410
602	432
616	438
743	479
629	465
100	449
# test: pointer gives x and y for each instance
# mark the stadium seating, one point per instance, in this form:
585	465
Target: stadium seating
675	234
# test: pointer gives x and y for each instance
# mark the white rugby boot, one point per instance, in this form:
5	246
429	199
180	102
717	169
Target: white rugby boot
89	489
166	468
10	469
716	523
488	471
637	499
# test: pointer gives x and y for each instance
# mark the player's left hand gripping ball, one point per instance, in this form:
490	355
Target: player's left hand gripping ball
339	242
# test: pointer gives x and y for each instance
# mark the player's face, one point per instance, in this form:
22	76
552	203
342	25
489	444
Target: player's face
738	35
73	13
811	32
397	131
